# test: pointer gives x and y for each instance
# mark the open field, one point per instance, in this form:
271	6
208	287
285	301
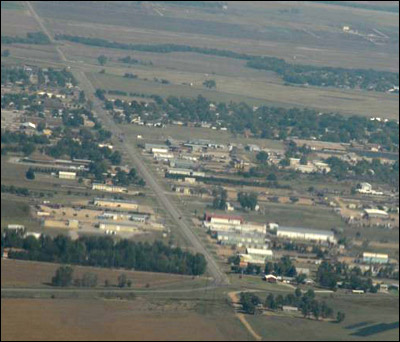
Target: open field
29	274
17	212
95	320
309	29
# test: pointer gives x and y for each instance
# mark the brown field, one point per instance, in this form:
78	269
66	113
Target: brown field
96	320
18	273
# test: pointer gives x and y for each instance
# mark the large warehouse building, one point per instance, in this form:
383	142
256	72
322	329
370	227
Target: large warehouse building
117	204
306	234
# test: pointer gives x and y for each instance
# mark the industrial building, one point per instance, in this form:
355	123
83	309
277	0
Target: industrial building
375	213
66	175
260	255
153	148
118	227
108	188
139	218
186	172
112	203
223	219
240	240
306	234
375	258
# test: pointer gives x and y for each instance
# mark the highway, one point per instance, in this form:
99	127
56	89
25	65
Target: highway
220	278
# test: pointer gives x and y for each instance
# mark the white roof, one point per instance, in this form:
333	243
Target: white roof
376	211
257	251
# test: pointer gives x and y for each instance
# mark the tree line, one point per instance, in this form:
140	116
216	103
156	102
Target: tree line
104	252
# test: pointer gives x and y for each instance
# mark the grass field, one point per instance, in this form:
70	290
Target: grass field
95	320
15	273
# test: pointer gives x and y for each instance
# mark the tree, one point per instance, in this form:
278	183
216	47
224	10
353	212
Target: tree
210	84
248	200
63	276
249	301
297	293
220	197
262	157
6	53
122	280
270	302
303	160
30	174
340	316
102	60
272	177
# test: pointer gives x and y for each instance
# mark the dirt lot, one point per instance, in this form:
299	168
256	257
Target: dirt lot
95	320
16	273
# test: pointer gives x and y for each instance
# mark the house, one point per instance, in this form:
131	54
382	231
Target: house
270	278
366	188
288	308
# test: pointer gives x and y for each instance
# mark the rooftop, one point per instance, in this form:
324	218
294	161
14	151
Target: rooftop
306	231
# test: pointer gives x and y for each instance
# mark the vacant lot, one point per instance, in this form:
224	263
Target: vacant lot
97	320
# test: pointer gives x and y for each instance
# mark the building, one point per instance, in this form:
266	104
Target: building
270	278
223	219
366	188
240	240
288	308
185	172
260	255
66	175
306	234
375	213
15	227
153	148
139	218
115	216
112	203
375	258
108	188
118	227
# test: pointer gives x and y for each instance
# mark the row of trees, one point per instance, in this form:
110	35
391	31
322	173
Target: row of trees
308	305
105	252
64	277
37	38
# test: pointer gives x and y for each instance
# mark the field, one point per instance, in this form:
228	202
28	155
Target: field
15	273
88	320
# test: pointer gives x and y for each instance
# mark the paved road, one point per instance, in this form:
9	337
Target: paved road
219	276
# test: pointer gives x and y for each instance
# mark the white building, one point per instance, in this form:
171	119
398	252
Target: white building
306	234
376	213
66	175
108	188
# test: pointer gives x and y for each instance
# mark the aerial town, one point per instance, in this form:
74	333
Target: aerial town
215	188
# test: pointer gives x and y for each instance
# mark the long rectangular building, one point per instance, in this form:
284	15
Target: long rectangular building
307	234
113	203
